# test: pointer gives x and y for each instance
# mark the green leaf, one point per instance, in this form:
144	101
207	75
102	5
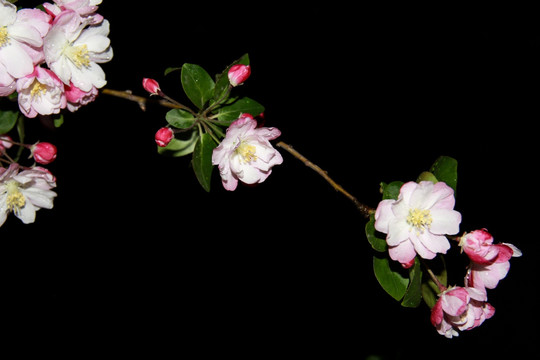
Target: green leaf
445	170
391	191
58	120
180	119
222	80
243	105
413	296
8	119
181	145
427	176
376	242
202	160
171	69
197	84
391	281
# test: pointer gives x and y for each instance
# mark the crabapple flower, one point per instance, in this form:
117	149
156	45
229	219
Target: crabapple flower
417	222
164	136
489	262
25	192
151	85
238	74
44	153
40	92
245	154
73	50
460	308
20	40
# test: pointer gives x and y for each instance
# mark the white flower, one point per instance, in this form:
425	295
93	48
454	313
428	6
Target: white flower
246	153
73	50
41	92
19	39
23	193
417	222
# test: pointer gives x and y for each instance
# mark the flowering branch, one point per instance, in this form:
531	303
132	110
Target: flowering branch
364	209
49	60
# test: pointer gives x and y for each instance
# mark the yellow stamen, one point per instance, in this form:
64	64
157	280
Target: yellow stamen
38	89
78	55
420	219
247	152
4	36
15	200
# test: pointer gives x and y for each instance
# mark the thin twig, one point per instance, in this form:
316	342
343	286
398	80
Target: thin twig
142	101
364	209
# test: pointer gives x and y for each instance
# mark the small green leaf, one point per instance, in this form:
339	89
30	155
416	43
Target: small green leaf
445	170
391	281
243	105
376	242
180	119
391	191
58	120
8	119
197	84
181	145
413	296
427	176
202	160
171	69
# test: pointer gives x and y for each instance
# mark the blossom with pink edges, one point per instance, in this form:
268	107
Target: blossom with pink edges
245	154
460	308
418	221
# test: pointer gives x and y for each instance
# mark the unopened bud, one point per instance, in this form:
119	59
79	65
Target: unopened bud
238	74
151	86
44	153
164	136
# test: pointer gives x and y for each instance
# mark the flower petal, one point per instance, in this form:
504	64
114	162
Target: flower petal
445	221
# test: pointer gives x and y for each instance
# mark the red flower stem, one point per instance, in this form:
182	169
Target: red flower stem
433	276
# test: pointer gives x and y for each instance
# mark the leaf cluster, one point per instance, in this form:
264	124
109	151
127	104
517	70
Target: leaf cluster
199	131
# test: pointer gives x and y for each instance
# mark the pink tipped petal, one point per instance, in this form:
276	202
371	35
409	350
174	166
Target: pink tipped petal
404	252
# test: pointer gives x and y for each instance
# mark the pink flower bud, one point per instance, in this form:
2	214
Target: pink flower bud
164	136
238	74
151	86
44	153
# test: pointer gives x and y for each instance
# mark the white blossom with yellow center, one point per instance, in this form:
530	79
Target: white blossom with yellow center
418	221
22	193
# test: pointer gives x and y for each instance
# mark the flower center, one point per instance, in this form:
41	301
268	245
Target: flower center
15	200
4	36
420	219
38	89
78	55
247	152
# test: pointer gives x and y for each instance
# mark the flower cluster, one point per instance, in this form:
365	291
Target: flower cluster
49	60
416	224
245	153
50	57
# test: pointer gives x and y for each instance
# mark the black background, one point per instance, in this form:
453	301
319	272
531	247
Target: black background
137	256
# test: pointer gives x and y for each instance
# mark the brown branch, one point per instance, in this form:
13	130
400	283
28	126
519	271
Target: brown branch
142	101
364	209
